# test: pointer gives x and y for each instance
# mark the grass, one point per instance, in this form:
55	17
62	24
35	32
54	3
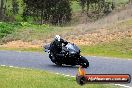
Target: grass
8	28
120	49
30	32
23	49
26	78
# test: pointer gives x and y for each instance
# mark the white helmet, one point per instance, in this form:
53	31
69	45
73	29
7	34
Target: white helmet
57	37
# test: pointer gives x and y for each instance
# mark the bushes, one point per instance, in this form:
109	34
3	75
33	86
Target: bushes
8	28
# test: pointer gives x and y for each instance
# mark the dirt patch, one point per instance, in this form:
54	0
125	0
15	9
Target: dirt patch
99	37
102	36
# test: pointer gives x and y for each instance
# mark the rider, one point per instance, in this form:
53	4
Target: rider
56	45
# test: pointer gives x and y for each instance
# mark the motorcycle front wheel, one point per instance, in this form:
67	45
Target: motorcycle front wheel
52	57
84	62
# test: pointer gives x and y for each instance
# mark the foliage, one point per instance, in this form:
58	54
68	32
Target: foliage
15	6
48	11
29	32
96	5
52	11
7	28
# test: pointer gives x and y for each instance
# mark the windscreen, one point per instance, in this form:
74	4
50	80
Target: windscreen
70	46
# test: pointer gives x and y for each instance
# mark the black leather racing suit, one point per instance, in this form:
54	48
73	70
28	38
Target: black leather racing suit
56	46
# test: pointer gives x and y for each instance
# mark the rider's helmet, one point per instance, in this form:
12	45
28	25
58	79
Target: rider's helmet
57	37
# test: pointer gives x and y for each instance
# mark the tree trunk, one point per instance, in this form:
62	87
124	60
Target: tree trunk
88	6
1	9
42	11
130	1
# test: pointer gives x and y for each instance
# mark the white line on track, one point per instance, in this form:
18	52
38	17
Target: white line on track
110	57
123	86
13	67
3	65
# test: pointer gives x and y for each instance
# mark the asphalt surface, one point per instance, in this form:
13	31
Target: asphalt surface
41	61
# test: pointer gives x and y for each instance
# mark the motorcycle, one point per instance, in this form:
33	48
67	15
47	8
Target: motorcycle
70	55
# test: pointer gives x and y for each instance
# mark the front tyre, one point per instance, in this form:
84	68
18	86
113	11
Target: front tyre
84	62
52	57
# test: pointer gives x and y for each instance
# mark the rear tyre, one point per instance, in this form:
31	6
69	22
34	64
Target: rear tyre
84	62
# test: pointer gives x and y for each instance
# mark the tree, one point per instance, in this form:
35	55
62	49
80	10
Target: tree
61	13
1	9
53	11
82	4
15	6
96	5
130	1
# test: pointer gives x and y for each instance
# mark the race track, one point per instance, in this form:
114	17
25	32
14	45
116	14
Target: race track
41	61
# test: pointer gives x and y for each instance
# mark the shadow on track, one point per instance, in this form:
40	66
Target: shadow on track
63	66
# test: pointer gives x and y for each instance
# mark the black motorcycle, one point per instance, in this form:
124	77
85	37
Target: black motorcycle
70	55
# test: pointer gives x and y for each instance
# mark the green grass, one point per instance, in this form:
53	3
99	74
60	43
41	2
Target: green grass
120	49
30	32
26	78
8	28
23	49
